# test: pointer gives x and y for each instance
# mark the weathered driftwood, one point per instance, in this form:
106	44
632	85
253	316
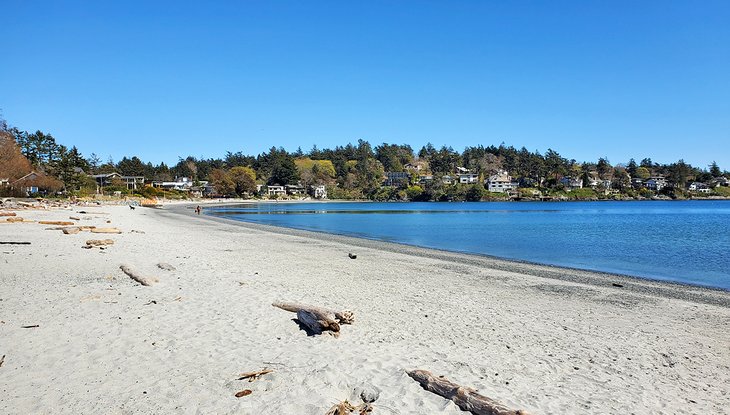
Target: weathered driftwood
7	214
99	242
144	280
465	398
14	219
55	222
105	230
2	360
343	317
165	266
71	230
13	243
317	319
74	218
243	393
251	376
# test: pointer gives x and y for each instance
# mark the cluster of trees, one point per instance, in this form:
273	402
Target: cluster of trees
349	171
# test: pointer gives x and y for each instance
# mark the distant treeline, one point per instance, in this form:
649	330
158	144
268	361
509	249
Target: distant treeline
351	171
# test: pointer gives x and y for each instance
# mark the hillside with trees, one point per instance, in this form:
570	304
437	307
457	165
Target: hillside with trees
359	171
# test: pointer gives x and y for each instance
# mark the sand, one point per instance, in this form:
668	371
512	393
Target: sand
543	339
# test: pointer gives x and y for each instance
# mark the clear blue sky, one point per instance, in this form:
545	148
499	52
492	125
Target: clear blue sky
166	79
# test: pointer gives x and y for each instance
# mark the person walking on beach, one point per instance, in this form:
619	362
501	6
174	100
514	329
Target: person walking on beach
198	209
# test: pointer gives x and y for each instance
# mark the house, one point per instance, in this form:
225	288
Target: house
416	166
699	187
275	190
397	178
468	178
716	182
294	189
637	183
181	183
26	183
656	183
425	179
501	183
318	191
106	179
572	183
446	179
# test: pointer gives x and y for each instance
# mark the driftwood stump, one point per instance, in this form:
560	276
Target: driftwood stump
318	319
465	398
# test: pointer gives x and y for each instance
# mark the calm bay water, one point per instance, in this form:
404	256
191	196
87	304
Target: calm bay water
684	241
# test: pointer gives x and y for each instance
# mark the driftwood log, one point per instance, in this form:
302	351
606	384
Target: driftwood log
99	242
55	222
13	243
465	398
14	219
72	230
7	214
144	280
318	319
105	230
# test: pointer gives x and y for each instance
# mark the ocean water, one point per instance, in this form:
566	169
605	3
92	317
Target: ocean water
682	241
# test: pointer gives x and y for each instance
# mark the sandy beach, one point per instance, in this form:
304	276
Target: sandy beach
543	339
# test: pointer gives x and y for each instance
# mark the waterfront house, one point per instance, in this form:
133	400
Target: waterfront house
27	183
180	183
720	181
446	179
501	183
294	189
699	187
274	190
656	183
637	183
572	183
318	191
106	179
397	178
468	178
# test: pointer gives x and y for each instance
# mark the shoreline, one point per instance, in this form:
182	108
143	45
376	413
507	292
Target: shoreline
657	287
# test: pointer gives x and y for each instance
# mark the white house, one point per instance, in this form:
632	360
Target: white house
468	178
699	187
275	190
294	189
319	191
180	183
446	179
501	183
